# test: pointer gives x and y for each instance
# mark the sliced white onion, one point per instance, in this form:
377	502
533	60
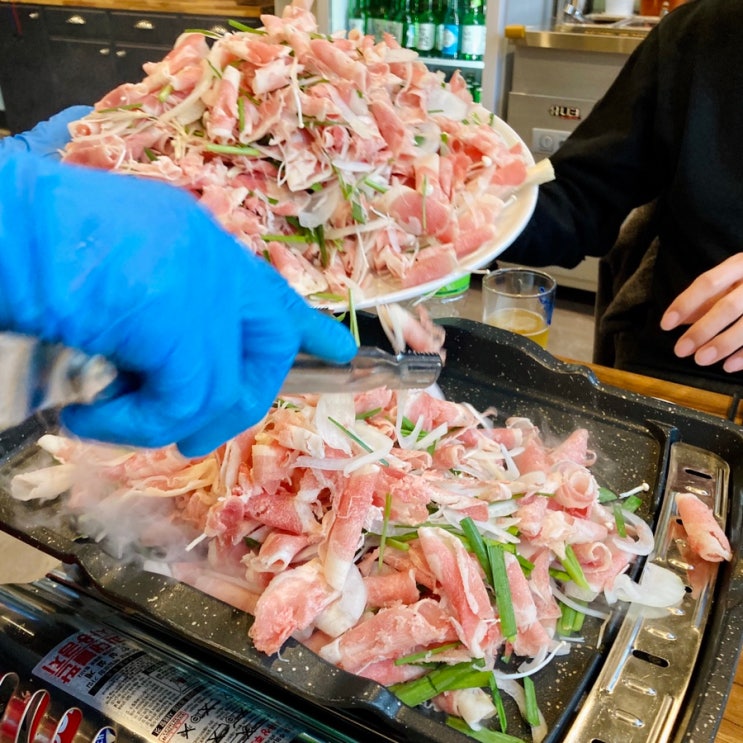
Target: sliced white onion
658	587
577	606
643	544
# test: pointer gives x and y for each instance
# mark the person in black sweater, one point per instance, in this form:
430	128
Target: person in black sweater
668	137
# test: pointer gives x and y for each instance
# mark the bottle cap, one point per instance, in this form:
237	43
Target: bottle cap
454	288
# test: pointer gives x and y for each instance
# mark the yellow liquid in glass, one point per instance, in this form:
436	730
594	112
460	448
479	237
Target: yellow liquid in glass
524	322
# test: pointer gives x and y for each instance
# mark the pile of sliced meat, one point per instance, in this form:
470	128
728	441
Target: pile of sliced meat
343	161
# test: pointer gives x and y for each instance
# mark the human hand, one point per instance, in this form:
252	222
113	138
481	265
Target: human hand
136	271
713	308
47	138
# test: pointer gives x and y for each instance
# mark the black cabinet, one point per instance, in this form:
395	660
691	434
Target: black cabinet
53	57
24	66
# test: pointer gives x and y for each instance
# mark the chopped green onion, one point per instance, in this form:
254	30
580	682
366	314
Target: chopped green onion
164	94
151	154
351	435
247	29
619	520
484	735
327	296
531	711
424	655
446	678
353	322
566	625
560	575
606	495
398	544
632	503
240	113
498	702
368	414
250	542
277	237
497	560
378	187
357	212
385	525
232	149
217	73
476	542
573	568
125	107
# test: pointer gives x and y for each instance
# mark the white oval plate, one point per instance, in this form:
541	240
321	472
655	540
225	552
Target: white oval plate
511	222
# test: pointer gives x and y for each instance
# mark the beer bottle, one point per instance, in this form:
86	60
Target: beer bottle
472	44
357	15
425	28
449	34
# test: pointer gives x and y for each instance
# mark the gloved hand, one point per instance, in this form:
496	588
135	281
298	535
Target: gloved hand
136	271
47	138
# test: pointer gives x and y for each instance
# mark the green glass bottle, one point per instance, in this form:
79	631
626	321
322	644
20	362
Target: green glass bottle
377	19
408	24
472	42
448	45
396	23
425	29
357	15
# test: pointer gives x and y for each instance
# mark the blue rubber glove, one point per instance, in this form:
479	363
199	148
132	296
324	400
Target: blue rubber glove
136	271
48	137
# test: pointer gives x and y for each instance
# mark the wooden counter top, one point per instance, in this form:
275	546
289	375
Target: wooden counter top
228	8
731	727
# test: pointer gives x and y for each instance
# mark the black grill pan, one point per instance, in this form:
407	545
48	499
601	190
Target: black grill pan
486	367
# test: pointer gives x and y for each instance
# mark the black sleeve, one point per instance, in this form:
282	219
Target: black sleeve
610	164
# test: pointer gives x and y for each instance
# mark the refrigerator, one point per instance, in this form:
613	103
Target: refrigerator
491	72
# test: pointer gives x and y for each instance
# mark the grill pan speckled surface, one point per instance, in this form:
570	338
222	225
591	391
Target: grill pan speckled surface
486	367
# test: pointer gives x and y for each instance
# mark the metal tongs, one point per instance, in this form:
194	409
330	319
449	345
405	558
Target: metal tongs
371	367
54	375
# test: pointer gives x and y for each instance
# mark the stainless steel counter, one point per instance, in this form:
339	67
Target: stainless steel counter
588	38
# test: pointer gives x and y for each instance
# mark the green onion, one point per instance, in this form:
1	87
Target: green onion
560	575
217	73
424	655
619	520
476	542
531	711
368	414
357	212
125	107
327	297
497	560
232	149
277	237
606	495
385	524
240	113
247	29
573	568
566	625
353	322
151	154
378	187
632	503
419	140
483	735
446	678
398	544
250	542
498	702
351	435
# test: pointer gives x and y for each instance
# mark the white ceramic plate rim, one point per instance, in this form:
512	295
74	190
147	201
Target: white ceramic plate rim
511	222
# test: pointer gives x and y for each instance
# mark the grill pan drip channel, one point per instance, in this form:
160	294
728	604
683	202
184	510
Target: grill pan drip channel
640	678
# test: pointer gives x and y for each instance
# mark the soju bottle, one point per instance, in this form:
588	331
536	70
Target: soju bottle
357	15
377	19
408	24
472	44
396	24
448	44
425	29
